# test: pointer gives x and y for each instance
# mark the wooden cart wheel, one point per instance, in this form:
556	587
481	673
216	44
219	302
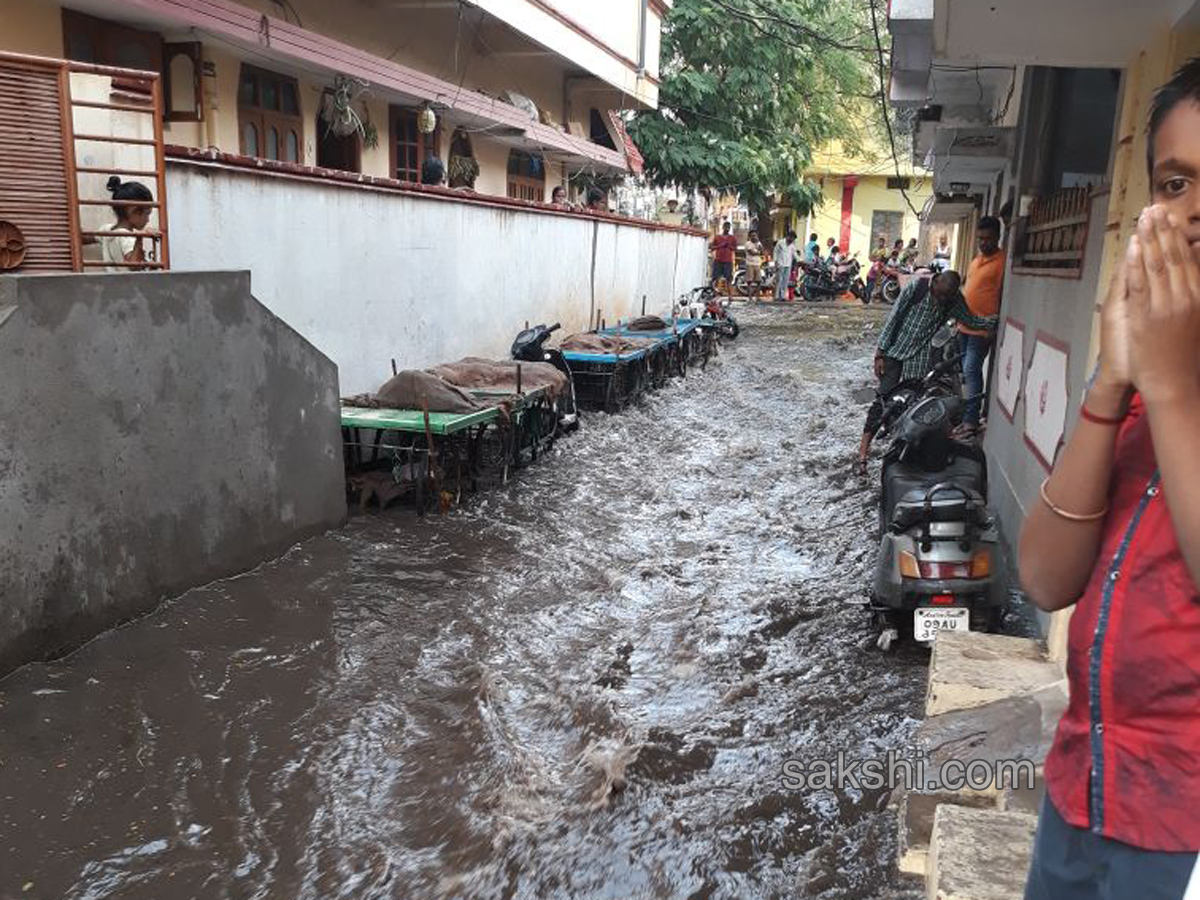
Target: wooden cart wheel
12	247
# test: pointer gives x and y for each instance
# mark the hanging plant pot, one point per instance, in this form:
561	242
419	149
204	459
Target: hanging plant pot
337	107
463	171
370	135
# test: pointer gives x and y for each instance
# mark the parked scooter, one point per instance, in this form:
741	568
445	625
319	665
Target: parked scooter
529	346
939	545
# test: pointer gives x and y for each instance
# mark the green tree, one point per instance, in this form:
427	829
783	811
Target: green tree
750	87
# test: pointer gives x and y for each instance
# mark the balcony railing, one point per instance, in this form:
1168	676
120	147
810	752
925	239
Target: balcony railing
1052	239
66	128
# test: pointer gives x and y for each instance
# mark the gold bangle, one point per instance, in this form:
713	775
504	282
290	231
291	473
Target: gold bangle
1070	516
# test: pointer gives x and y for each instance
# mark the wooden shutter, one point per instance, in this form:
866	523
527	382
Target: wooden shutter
34	189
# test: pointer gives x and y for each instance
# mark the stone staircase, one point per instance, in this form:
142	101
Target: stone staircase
991	699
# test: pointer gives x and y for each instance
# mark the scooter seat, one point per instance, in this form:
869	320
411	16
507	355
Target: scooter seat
945	506
905	488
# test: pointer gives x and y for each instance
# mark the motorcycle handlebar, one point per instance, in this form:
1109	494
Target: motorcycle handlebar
946	365
553	328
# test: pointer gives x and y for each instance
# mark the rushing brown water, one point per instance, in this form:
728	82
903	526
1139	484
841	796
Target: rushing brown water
583	685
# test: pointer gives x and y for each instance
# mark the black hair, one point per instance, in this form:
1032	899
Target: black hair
127	190
594	196
813	237
433	170
989	223
728	225
1184	85
949	276
557	188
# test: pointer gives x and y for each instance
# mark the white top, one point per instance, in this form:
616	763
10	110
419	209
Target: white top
114	248
785	253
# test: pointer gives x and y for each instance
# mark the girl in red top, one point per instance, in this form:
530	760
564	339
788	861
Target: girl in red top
1117	534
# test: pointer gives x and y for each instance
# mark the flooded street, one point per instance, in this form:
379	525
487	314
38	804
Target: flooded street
582	685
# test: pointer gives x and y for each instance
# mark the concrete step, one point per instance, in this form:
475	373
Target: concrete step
1017	728
979	854
970	669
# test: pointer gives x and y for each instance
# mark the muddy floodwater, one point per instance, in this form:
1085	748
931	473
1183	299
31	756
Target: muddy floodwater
582	685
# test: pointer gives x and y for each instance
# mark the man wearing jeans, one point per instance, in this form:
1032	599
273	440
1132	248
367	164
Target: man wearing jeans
724	247
906	343
985	282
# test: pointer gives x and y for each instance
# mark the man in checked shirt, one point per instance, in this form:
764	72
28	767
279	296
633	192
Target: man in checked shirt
905	344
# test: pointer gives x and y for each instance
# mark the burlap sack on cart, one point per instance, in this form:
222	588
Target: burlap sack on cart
648	323
605	343
411	389
477	373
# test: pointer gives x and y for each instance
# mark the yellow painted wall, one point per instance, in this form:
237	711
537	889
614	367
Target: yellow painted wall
1150	69
871	194
31	26
874	158
493	167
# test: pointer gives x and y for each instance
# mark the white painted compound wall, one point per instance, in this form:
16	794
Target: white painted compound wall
369	275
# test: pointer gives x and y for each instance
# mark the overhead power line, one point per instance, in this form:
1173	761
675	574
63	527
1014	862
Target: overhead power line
884	109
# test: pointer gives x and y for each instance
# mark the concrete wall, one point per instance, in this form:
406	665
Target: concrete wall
156	432
30	26
370	275
1065	310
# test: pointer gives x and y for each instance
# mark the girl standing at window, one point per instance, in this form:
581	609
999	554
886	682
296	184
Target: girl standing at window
122	248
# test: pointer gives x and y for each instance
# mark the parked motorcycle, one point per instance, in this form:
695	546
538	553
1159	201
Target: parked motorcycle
938	550
708	303
766	285
529	346
825	281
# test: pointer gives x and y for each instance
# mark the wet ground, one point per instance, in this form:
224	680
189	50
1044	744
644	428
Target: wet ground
583	685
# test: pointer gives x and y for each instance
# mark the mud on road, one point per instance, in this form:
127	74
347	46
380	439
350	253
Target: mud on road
582	685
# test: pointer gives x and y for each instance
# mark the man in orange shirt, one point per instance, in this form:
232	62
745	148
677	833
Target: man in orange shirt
985	282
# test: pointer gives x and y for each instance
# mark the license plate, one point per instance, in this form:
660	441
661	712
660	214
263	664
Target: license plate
929	623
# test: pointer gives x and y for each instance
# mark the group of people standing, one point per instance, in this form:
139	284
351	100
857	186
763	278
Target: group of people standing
905	345
787	257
